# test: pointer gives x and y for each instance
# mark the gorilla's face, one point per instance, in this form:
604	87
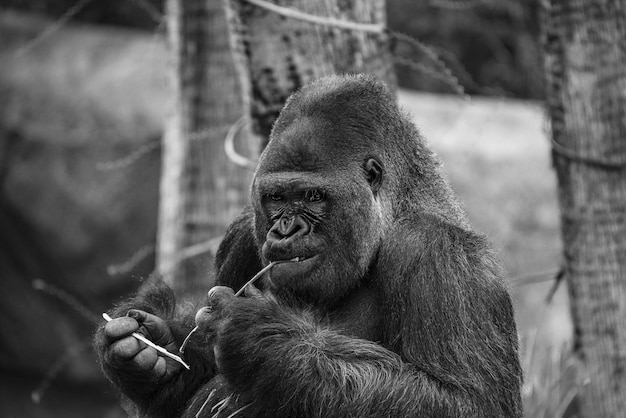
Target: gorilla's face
317	208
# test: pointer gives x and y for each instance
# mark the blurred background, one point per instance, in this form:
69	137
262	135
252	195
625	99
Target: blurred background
84	95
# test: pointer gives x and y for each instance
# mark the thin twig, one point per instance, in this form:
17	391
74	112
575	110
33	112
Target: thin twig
454	5
447	75
221	405
208	398
239	292
62	295
53	372
239	410
256	277
129	159
153	345
181	350
55	26
319	20
229	145
536	277
128	265
154	13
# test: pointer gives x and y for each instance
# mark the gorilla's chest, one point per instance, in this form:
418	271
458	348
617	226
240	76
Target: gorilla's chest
359	315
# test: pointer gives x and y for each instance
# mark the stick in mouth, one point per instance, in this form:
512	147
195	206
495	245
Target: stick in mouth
263	271
240	291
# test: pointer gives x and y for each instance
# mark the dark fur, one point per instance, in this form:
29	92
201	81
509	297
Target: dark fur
149	398
409	316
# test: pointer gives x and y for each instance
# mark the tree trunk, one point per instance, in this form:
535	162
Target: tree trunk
279	53
201	190
585	47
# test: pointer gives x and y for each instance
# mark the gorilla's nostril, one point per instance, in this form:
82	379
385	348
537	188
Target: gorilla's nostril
285	225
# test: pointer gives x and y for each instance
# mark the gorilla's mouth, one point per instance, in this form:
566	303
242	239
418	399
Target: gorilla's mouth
294	267
292	260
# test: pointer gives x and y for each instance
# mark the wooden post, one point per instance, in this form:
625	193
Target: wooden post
201	190
585	58
282	48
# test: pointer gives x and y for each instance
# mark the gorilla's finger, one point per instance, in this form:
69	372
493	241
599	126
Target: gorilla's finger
204	316
125	349
146	358
119	327
218	296
157	329
252	291
160	368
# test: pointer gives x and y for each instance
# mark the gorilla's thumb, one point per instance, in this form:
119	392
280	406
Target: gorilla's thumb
137	315
158	331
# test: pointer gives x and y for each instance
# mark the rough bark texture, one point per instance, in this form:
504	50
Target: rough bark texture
585	45
201	190
278	54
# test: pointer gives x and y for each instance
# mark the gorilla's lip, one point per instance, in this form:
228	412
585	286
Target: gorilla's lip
296	266
296	259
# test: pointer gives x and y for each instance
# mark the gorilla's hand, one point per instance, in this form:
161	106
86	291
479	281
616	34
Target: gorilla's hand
233	324
210	318
136	367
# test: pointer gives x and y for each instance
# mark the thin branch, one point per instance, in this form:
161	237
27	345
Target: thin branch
54	27
319	20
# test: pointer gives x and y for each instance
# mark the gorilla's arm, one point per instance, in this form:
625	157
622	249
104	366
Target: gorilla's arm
450	314
236	262
294	366
447	315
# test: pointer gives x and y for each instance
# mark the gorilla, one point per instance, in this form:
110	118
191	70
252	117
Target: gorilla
381	301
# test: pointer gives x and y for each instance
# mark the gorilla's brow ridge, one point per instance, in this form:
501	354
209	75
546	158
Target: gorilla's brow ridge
292	180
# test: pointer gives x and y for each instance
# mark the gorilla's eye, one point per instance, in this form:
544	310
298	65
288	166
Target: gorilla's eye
314	195
276	197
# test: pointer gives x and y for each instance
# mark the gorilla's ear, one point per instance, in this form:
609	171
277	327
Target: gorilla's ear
374	173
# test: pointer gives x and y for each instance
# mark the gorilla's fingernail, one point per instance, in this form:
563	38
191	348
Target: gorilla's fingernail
133	314
212	291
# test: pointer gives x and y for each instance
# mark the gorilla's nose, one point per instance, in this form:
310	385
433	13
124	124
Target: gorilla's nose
290	226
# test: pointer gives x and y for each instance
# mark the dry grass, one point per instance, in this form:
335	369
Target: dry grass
551	380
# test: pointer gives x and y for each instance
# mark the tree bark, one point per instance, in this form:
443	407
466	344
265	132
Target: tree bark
585	58
201	190
278	54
